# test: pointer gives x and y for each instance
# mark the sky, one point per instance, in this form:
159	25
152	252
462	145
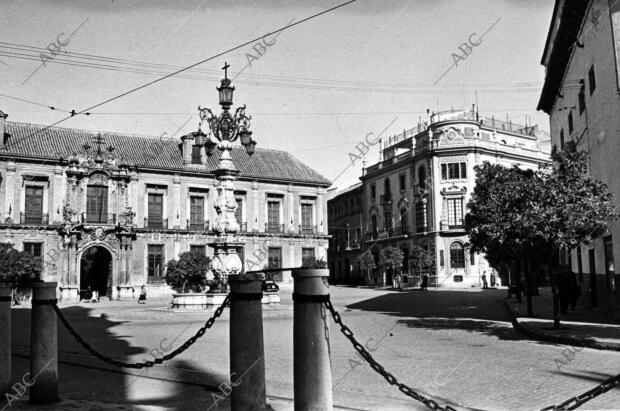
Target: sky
316	89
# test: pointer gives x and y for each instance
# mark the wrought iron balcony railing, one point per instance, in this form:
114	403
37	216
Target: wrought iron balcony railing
457	226
156	223
107	219
193	225
274	228
34	218
307	229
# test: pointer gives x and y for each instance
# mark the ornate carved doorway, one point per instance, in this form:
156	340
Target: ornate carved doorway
96	270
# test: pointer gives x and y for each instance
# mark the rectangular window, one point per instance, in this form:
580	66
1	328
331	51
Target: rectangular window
155	210
307	253
373	192
441	259
404	224
388	221
97	204
455	212
34	249
273	216
570	123
34	205
582	99
453	171
307	211
196	155
275	257
198	249
373	224
420	217
402	182
239	210
562	139
155	262
592	79
196	213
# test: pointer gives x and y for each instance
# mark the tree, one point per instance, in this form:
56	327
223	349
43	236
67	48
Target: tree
391	258
422	259
367	261
19	269
188	273
517	215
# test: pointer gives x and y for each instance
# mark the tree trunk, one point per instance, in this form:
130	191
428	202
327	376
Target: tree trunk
528	288
554	288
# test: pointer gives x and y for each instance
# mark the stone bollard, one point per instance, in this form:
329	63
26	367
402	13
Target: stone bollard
43	345
312	375
5	338
247	351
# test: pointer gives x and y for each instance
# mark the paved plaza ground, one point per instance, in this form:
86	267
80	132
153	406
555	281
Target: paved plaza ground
456	345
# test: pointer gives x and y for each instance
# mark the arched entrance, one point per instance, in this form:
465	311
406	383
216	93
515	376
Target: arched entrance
96	270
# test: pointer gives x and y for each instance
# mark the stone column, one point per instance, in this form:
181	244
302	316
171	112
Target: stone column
43	345
5	338
58	188
320	222
247	353
255	209
312	377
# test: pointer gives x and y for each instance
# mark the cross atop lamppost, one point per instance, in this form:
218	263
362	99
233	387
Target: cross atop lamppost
225	130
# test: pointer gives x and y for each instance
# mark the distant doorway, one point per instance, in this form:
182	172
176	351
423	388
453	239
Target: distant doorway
593	287
95	270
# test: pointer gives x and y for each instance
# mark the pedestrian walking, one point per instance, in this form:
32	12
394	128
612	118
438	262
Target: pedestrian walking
492	279
424	284
484	280
142	298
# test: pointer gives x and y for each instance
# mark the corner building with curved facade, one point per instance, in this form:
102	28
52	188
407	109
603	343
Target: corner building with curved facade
109	210
417	194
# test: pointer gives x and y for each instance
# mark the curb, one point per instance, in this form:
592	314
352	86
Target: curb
558	339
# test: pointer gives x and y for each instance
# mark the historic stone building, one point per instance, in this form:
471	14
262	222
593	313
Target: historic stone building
581	96
344	209
108	210
417	194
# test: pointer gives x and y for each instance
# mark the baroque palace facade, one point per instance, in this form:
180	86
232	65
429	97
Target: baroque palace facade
108	210
417	196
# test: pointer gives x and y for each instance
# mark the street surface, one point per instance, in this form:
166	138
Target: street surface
457	346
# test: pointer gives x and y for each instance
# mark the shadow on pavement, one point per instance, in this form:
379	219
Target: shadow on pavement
177	385
476	312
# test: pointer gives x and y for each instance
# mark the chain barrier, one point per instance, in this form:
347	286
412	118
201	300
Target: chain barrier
410	392
218	312
577	401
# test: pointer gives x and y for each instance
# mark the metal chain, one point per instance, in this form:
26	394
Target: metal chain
577	401
218	312
430	403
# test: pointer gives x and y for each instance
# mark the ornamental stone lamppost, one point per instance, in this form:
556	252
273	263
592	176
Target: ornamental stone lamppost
225	130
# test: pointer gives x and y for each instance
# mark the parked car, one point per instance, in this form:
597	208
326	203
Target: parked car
269	286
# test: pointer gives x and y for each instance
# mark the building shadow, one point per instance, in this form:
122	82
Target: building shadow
179	384
482	312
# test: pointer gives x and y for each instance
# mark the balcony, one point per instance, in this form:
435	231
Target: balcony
385	198
446	226
243	227
156	223
307	229
197	225
274	228
101	219
33	219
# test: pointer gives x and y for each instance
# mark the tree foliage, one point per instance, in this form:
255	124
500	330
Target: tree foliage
421	258
514	212
188	273
391	257
19	269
